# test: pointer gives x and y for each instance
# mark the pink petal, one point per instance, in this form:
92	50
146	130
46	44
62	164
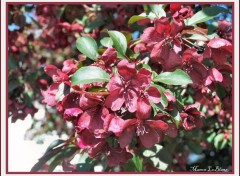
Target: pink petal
188	124
172	61
51	70
191	107
89	101
126	70
220	43
216	75
198	73
150	36
106	121
144	108
126	136
86	139
159	52
219	56
69	66
48	99
61	76
207	52
162	26
91	119
170	97
130	122
139	48
114	83
50	94
191	54
55	73
71	100
118	156
175	7
115	100
177	47
96	122
131	100
97	149
208	81
154	95
172	131
196	112
185	12
76	27
142	79
224	25
116	125
109	56
198	122
157	124
73	111
176	26
183	114
84	121
149	138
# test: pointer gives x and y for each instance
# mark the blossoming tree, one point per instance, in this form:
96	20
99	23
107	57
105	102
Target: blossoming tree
143	102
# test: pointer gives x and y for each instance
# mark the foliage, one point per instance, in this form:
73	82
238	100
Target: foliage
144	86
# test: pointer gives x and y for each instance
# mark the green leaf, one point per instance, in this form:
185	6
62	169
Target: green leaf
65	153
210	138
13	84
147	67
97	89
12	63
86	166
156	109
178	77
198	37
63	90
162	159
120	56
28	97
119	41
218	141
87	46
89	74
157	9
128	36
136	18
149	153
107	42
134	42
134	164
205	15
47	156
93	25
152	151
138	163
223	144
230	140
32	77
54	144
221	92
194	147
176	116
160	156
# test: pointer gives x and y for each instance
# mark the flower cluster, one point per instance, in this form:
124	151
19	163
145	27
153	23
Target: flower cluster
135	109
109	123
